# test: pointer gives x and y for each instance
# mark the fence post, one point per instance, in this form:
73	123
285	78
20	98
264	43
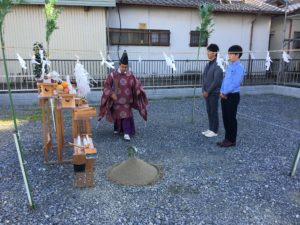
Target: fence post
278	78
250	61
172	79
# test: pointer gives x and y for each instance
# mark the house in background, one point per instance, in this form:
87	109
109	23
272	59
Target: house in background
291	37
147	28
82	29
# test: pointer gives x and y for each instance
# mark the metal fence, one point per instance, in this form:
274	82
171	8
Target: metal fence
155	73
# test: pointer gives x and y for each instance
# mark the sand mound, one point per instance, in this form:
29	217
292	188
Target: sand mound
134	171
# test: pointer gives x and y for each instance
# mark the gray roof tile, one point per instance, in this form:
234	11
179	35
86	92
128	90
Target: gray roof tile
249	6
293	7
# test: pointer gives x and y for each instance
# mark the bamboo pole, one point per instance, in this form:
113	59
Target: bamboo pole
27	187
296	161
16	132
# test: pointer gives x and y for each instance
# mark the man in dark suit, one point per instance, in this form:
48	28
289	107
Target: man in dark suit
212	81
230	95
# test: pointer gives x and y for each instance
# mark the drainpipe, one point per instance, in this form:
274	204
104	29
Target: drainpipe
290	34
251	33
107	30
250	46
120	28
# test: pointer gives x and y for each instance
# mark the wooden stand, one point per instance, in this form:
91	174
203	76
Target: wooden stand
84	156
60	139
81	122
47	138
83	160
45	92
47	129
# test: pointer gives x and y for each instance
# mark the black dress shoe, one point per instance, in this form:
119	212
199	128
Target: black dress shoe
221	142
227	144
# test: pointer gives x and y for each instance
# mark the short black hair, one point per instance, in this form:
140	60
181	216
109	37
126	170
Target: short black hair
236	49
213	48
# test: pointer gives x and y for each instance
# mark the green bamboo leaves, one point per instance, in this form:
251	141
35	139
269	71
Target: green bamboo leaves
51	14
206	26
5	7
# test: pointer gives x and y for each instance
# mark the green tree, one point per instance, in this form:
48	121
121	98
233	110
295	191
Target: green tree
206	26
51	14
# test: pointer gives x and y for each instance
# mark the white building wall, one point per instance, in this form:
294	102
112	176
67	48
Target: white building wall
296	25
228	28
277	29
261	34
80	32
277	36
295	28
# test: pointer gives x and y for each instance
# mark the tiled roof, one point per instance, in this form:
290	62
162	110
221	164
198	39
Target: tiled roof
96	3
247	6
293	7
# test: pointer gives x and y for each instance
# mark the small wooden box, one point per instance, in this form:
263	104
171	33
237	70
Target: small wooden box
46	89
84	113
81	102
79	159
67	100
90	151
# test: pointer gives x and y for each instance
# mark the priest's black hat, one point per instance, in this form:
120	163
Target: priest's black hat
124	58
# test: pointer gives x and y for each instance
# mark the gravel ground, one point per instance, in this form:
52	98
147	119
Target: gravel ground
202	183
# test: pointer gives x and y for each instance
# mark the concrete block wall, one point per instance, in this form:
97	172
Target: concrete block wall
94	96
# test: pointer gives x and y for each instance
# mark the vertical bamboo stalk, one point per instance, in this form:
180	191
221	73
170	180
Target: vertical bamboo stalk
295	164
17	143
16	132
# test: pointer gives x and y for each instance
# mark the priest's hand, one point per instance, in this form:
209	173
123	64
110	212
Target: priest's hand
114	97
138	92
